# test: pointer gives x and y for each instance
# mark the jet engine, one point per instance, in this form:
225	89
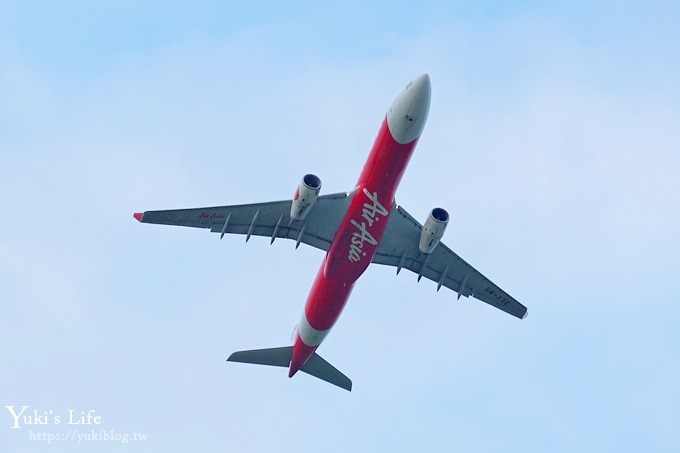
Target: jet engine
305	196
433	230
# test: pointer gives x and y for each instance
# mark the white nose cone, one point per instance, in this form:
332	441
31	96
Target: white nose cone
408	113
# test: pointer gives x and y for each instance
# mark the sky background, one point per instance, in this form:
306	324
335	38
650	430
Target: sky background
553	140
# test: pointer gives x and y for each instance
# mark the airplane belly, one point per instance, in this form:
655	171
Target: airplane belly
354	246
325	302
359	234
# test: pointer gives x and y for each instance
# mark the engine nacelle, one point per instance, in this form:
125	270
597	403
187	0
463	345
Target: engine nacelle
433	230
305	196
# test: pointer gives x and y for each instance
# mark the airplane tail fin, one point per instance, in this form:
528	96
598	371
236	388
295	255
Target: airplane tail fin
315	366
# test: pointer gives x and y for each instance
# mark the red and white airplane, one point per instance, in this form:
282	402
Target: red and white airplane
355	229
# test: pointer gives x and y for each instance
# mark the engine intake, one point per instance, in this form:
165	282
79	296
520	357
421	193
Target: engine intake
305	196
433	230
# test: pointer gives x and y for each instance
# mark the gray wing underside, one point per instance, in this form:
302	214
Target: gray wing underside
399	248
270	219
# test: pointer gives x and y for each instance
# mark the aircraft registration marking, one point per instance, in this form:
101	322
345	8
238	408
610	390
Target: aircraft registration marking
206	215
499	297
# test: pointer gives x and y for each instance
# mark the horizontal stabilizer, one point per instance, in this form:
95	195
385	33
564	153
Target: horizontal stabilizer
271	357
319	368
315	366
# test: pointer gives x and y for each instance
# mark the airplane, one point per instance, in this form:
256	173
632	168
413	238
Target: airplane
355	229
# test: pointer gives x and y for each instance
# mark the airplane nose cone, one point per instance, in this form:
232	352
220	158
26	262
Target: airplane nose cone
421	84
408	113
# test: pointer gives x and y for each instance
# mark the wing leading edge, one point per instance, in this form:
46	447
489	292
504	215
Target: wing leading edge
270	219
399	248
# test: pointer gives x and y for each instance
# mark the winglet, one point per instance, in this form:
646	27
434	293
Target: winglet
526	313
138	215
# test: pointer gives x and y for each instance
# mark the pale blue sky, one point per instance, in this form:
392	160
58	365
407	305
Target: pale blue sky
553	139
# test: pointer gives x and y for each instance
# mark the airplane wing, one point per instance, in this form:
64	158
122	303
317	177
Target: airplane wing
399	248
270	219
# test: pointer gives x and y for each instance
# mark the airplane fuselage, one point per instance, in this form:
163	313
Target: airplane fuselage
365	221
